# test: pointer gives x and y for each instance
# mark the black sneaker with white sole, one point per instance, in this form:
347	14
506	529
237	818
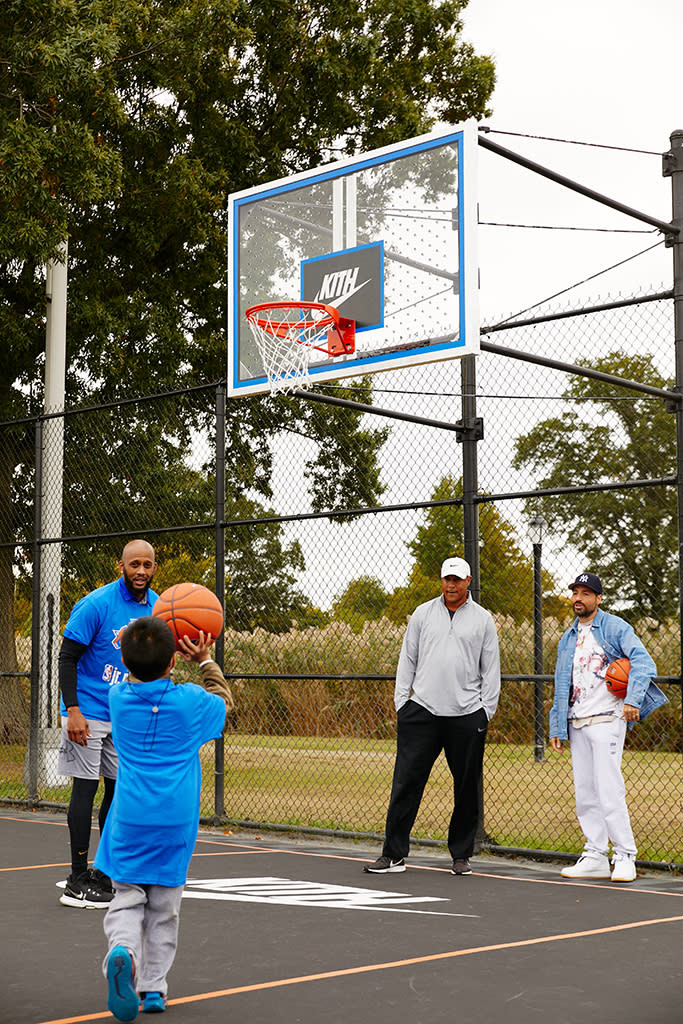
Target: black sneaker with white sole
461	867
101	880
385	865
83	890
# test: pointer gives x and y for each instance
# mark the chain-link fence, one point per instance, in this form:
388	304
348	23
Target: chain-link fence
326	528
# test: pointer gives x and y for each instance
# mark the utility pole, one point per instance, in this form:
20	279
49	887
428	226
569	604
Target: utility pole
672	166
51	515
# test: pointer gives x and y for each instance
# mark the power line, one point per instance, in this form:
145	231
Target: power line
569	142
516	398
562	227
591	277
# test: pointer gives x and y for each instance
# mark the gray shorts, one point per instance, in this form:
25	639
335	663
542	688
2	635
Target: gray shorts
98	758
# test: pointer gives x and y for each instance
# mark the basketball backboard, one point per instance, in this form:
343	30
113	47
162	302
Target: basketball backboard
387	237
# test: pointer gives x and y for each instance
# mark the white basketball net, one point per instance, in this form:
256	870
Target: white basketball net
285	337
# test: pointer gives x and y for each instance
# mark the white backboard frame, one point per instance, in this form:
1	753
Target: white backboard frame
460	335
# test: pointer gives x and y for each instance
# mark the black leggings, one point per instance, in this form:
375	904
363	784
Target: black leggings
79	817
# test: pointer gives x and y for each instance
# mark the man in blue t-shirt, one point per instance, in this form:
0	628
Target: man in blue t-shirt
149	837
89	664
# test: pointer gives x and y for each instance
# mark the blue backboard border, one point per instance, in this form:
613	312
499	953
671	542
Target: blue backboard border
467	341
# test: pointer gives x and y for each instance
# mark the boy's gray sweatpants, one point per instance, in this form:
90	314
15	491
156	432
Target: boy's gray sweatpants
144	919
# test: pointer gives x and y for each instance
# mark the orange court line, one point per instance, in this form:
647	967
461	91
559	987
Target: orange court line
228	850
367	968
36	867
33	821
610	886
231	853
229	845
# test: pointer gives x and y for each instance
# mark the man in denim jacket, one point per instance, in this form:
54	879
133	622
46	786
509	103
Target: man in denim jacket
595	721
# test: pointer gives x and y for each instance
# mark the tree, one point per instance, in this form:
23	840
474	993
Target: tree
404	600
363	600
124	126
506	574
629	536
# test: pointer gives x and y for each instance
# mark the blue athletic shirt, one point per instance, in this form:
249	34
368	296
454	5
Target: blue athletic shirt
151	827
98	620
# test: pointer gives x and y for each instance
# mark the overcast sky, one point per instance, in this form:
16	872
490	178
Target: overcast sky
604	72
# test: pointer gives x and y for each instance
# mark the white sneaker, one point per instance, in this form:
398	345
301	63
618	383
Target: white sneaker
624	869
589	865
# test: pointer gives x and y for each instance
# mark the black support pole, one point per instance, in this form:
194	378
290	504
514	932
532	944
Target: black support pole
34	721
539	714
470	473
219	750
673	168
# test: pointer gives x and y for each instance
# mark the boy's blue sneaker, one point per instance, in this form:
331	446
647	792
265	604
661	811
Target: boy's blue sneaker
153	1002
123	999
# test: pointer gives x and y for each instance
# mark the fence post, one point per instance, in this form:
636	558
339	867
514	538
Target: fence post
673	168
470	510
470	474
539	688
219	748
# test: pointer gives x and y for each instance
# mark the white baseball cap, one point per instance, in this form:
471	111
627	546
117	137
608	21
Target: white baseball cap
456	567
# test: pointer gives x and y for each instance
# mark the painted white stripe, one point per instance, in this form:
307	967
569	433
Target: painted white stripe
289	892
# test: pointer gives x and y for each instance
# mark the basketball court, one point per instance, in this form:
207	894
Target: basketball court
363	265
291	929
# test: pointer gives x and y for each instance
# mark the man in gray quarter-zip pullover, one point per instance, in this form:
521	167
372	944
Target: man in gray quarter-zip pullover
447	689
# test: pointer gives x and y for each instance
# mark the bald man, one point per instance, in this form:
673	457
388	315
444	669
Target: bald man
89	663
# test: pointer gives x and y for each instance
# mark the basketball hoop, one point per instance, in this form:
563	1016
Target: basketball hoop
286	333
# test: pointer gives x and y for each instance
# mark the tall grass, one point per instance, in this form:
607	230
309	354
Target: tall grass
363	706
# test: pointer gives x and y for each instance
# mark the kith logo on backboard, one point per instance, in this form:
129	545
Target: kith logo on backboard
339	286
352	281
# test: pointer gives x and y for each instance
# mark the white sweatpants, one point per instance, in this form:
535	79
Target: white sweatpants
599	786
144	919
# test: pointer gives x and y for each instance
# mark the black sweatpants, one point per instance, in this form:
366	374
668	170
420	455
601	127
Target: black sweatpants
421	736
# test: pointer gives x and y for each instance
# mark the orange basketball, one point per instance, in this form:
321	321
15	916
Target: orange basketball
616	676
189	608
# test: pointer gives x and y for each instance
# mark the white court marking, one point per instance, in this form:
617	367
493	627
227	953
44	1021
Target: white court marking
292	893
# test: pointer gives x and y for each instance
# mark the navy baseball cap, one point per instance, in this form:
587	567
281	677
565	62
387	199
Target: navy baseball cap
587	579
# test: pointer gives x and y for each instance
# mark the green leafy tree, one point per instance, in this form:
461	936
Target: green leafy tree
363	600
421	587
628	536
506	574
124	126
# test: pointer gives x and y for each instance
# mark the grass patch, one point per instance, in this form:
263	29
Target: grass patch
344	783
310	780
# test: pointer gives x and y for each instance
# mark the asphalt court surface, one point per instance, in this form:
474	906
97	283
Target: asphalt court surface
286	929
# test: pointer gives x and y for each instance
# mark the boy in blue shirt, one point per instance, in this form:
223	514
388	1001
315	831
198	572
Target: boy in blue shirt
150	832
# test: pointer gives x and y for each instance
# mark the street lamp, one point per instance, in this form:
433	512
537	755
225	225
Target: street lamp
537	526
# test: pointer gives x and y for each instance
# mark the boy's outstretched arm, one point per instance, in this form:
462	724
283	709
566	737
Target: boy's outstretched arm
213	679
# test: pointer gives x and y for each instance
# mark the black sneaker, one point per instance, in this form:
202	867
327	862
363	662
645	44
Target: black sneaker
101	880
82	891
384	865
461	867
